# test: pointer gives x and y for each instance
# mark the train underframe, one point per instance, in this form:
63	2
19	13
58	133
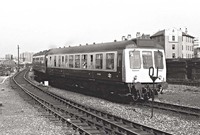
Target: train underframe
116	91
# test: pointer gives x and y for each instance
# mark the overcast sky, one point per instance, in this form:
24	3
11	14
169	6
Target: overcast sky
37	25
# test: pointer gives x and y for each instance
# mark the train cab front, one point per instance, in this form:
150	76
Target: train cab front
145	72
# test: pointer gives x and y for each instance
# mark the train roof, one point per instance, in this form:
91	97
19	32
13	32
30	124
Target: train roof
111	46
41	53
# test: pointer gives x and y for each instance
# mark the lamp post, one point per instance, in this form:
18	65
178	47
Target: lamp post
18	58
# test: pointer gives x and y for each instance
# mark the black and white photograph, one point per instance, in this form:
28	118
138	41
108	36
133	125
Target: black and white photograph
99	67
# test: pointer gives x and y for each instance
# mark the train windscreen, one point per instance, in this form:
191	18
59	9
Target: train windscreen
147	59
134	57
158	58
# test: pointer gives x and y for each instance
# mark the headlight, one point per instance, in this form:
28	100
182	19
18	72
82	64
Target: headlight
135	77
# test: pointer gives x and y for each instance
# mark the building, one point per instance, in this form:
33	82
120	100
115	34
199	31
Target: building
26	57
177	44
8	56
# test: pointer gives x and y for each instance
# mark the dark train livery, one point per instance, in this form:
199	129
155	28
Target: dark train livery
115	68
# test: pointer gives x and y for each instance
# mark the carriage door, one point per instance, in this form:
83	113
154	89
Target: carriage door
46	61
91	65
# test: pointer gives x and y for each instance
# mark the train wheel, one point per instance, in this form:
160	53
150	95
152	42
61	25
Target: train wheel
146	96
136	96
155	92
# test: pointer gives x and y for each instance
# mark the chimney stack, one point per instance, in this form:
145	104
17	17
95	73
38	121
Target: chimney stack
138	35
186	31
129	36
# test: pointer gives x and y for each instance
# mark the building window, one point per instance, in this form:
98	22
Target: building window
173	46
182	47
173	55
173	38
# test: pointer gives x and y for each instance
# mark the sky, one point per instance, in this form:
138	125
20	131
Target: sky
37	25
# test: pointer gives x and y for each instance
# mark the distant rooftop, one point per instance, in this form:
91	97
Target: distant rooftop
162	33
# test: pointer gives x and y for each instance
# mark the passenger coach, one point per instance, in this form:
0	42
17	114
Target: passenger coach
117	68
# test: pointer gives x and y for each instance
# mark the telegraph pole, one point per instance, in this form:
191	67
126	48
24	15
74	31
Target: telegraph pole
18	58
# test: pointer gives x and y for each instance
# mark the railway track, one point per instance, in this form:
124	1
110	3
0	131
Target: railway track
187	83
174	108
84	120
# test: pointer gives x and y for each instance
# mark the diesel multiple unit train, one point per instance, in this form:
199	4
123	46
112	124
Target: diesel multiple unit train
123	68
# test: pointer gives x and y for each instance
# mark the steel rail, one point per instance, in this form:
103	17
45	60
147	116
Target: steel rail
174	108
46	105
109	123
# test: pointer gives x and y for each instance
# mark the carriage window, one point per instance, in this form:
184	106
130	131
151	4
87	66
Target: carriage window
147	59
77	61
54	61
99	61
158	57
37	60
135	62
41	60
84	61
66	60
33	60
71	61
62	59
49	61
59	61
110	61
